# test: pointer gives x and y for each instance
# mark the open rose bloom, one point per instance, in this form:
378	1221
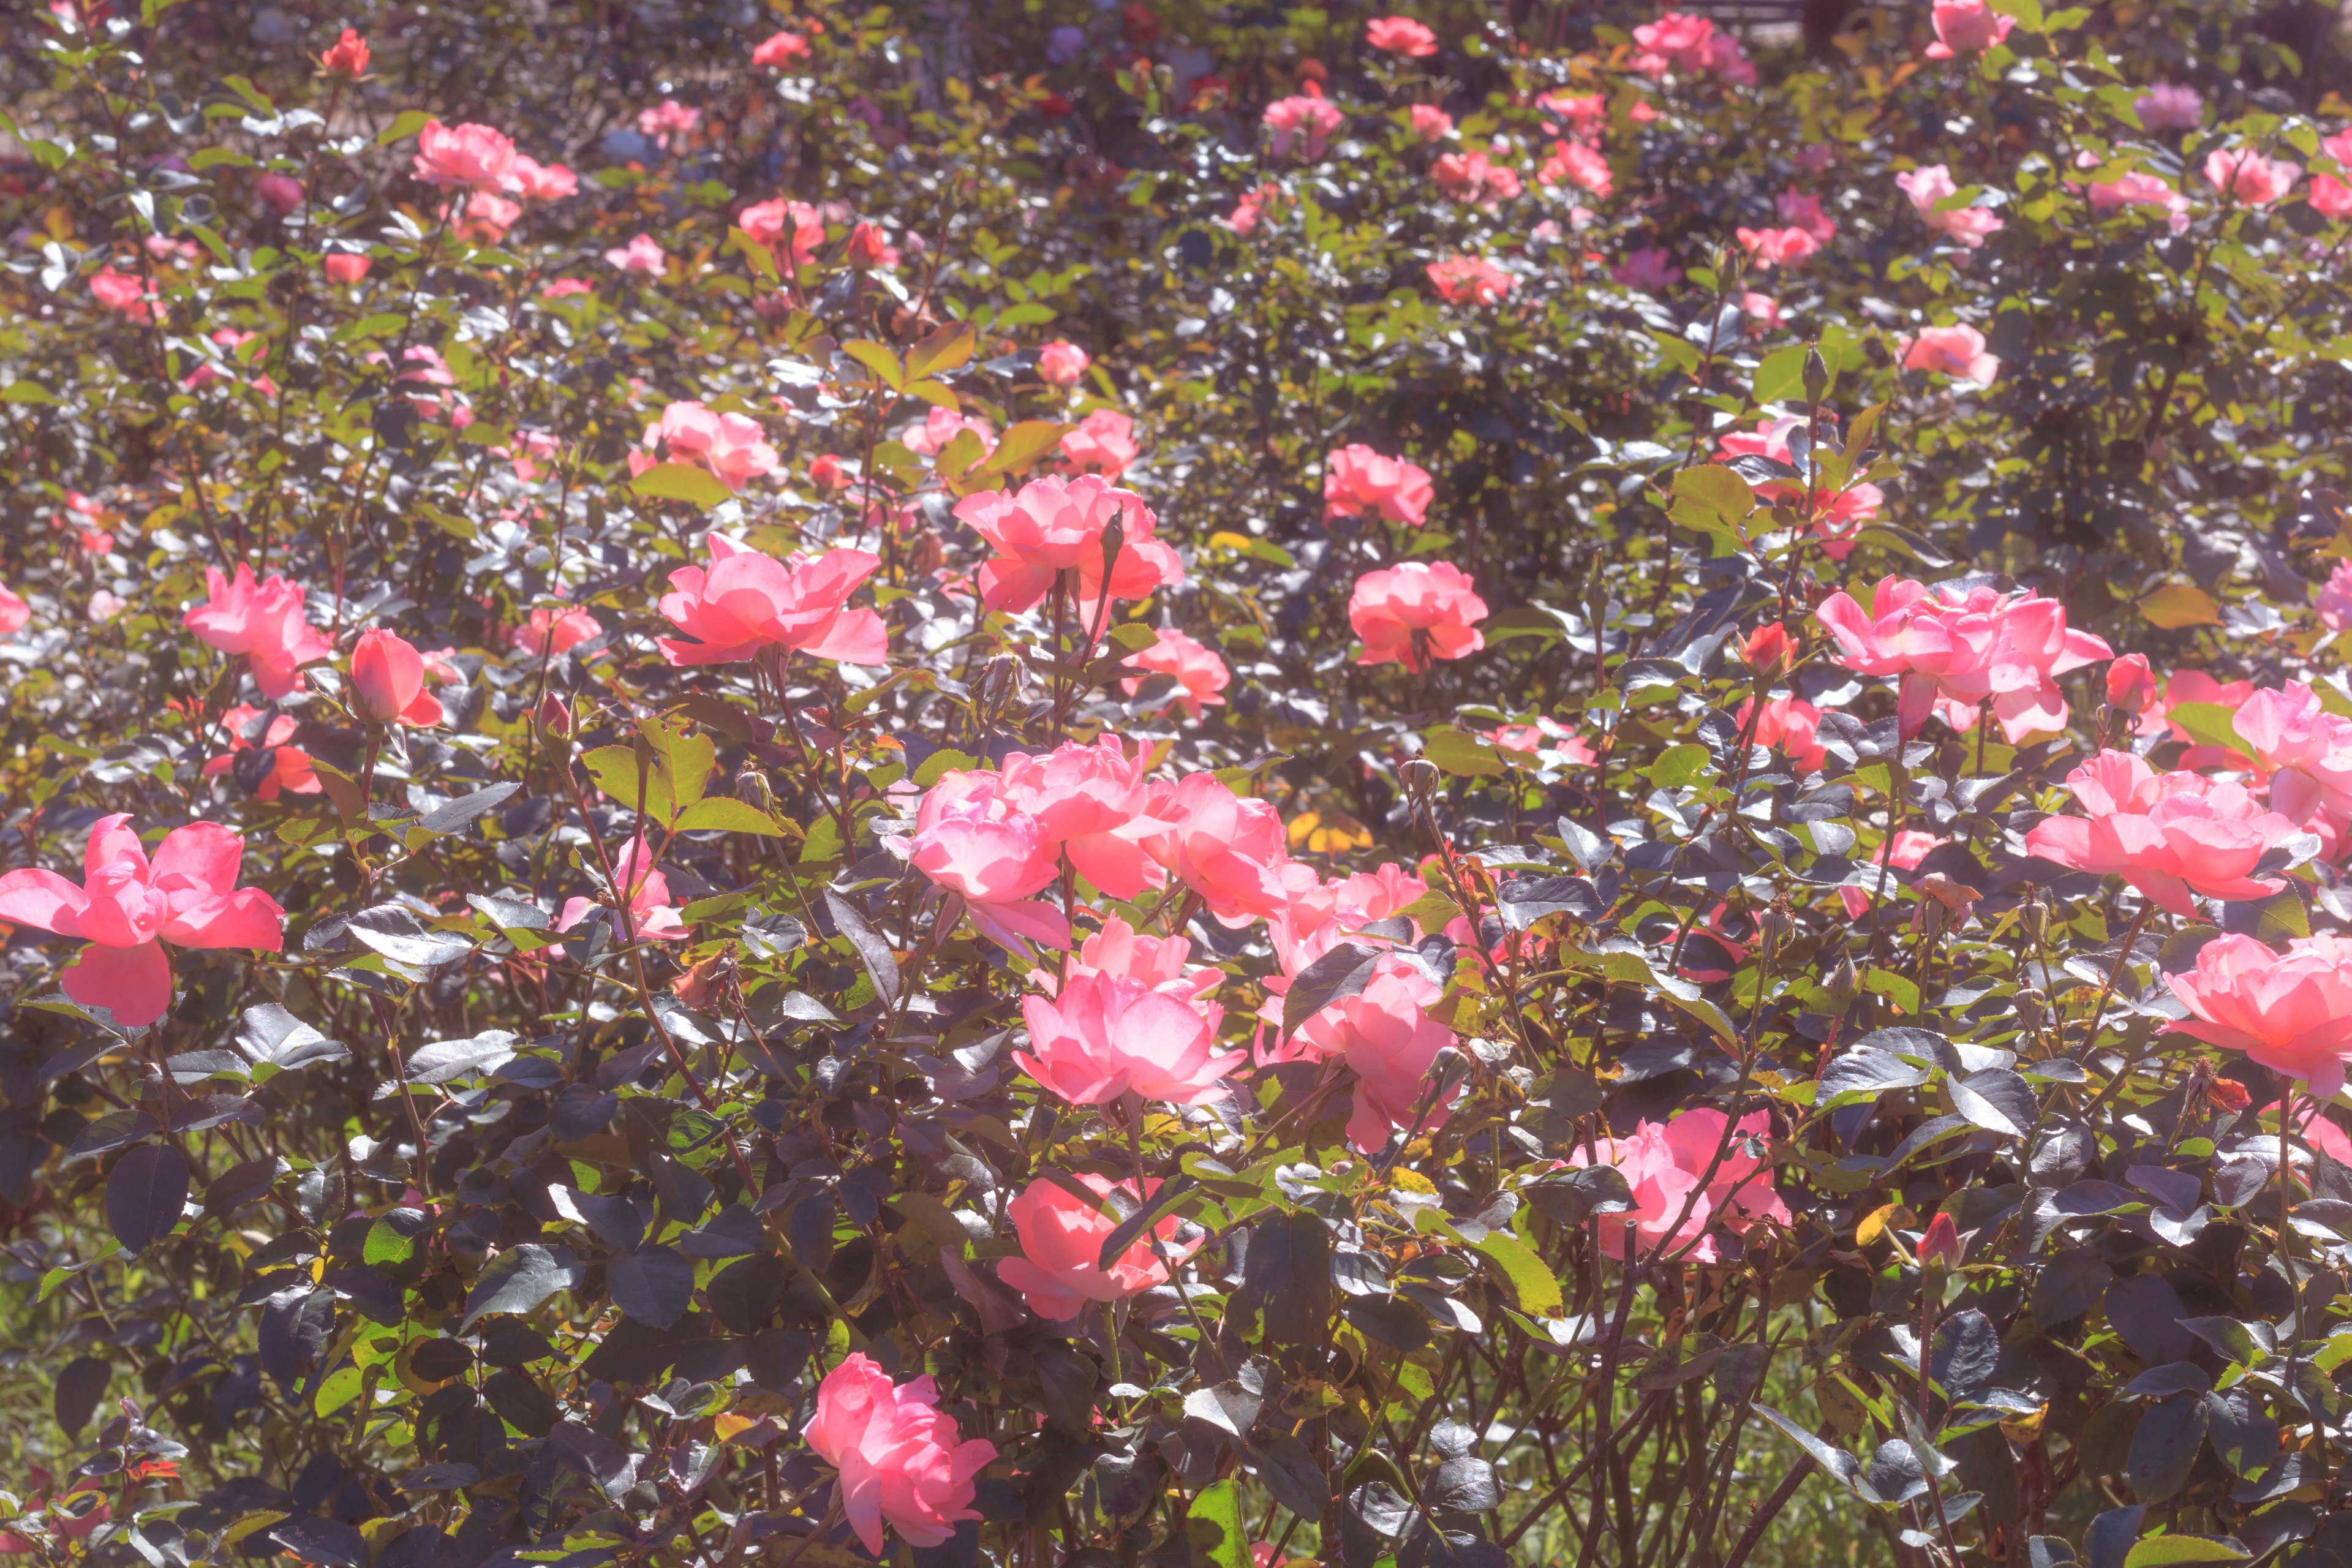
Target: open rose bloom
2169	835
1062	1233
1959	648
1416	612
1054	526
747	601
2290	1012
903	1463
263	620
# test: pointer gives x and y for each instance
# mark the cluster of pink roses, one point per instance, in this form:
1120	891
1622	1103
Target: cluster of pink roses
1957	649
1686	1175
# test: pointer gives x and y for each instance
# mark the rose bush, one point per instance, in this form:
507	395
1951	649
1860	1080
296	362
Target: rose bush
1158	784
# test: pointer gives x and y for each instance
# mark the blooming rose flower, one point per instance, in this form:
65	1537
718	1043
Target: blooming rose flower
939	427
779	50
969	840
666	120
770	221
1201	675
1648	268
1835	515
1474	178
345	268
1389	1042
2304	750
1244	218
2169	835
468	157
1966	28
734	446
2166	107
1414	612
1061	365
1400	36
1090	803
868	249
900	1458
563	288
262	621
1676	40
1103	443
1062	1237
1551	742
1158	962
748	601
1430	123
1741	1192
1106	1036
1053	525
1762	311
1801	211
129	906
2249	176
1957	351
1956	648
1789	724
1228	848
543	182
641	255
388	681
281	193
1769	248
14	613
1470	281
651	915
1306	122
2329	196
348	57
553	631
487	217
1671	1210
289	769
1930	184
2334	606
1572	163
1357	479
2290	1012
123	293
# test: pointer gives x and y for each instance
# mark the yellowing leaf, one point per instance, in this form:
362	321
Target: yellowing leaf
2178	605
1875	1223
1329	833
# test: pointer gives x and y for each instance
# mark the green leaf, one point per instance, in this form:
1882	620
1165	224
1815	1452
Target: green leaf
2163	1551
1212	1527
1023	445
521	1278
1717	486
1782	375
681	768
1678	765
1534	1288
410	122
680	481
1458	751
948	347
2208	724
723	814
880	361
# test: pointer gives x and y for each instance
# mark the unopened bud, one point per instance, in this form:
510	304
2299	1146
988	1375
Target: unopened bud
1776	927
1929	918
554	715
1448	1068
1114	539
1768	650
751	787
1842	986
2035	918
1419	777
2032	1007
1817	375
1940	1249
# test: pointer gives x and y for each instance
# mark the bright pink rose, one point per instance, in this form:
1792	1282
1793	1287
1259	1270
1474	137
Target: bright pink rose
1955	351
2334	606
1158	962
1227	849
14	613
1474	178
487	217
281	193
869	246
1677	40
2166	107
667	120
1430	123
1062	1237
1104	443
1762	311
1200	674
1928	187
472	157
1789	725
970	840
1400	36
128	906
747	601
1090	803
1104	1035
123	293
1469	281
388	681
2304	749
1357	479
1957	649
262	621
642	254
543	182
1572	163
2329	197
564	287
1671	1210
770	221
901	1460
939	427
345	268
734	446
1414	612
779	50
1052	525
2247	175
1769	248
347	58
289	768
1741	1192
2290	1012
2169	835
1801	211
1061	365
553	631
1966	28
2131	684
1306	122
651	915
1389	1042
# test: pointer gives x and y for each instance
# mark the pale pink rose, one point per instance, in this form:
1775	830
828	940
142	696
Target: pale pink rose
14	613
1158	962
667	122
543	182
1966	28
1430	123
1062	363
1416	612
1228	848
771	222
2334	606
106	604
939	427
1389	1042
1200	675
1089	802
553	631
1801	211
2169	835
1357	479
1789	725
487	217
1474	178
1741	1192
388	681
129	906
2135	187
123	293
1931	184
1671	1211
748	601
2303	750
2290	1012
779	50
1769	247
1546	739
651	916
289	770
264	621
1306	122
1400	36
1062	1234
2166	107
1762	311
1103	443
1957	351
1572	163
734	446
1726	57
969	840
1956	648
901	1459
1105	1037
1469	281
642	254
1648	268
472	157
2250	177
1586	112
1052	525
281	193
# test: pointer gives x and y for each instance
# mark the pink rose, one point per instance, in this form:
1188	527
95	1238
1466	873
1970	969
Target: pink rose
1052	525
2249	176
2304	749
1357	479
345	268
970	840
1804	212
2166	107
734	446
1414	612
289	768
779	50
770	221
1106	1036
1789	724
646	899
472	157
939	427
900	1458
1430	123
1089	802
1103	443
1957	649
543	182
1062	1236
1930	186
2334	606
1648	268
1957	351
1388	1041
1306	122
1574	163
281	193
1474	178
1227	849
1400	36
128	906
123	293
552	631
748	601
348	57
1671	1210
1061	363
2290	1012
262	621
1769	248
388	681
2169	835
1966	28
641	255
1741	1192
1469	281
14	613
1201	675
